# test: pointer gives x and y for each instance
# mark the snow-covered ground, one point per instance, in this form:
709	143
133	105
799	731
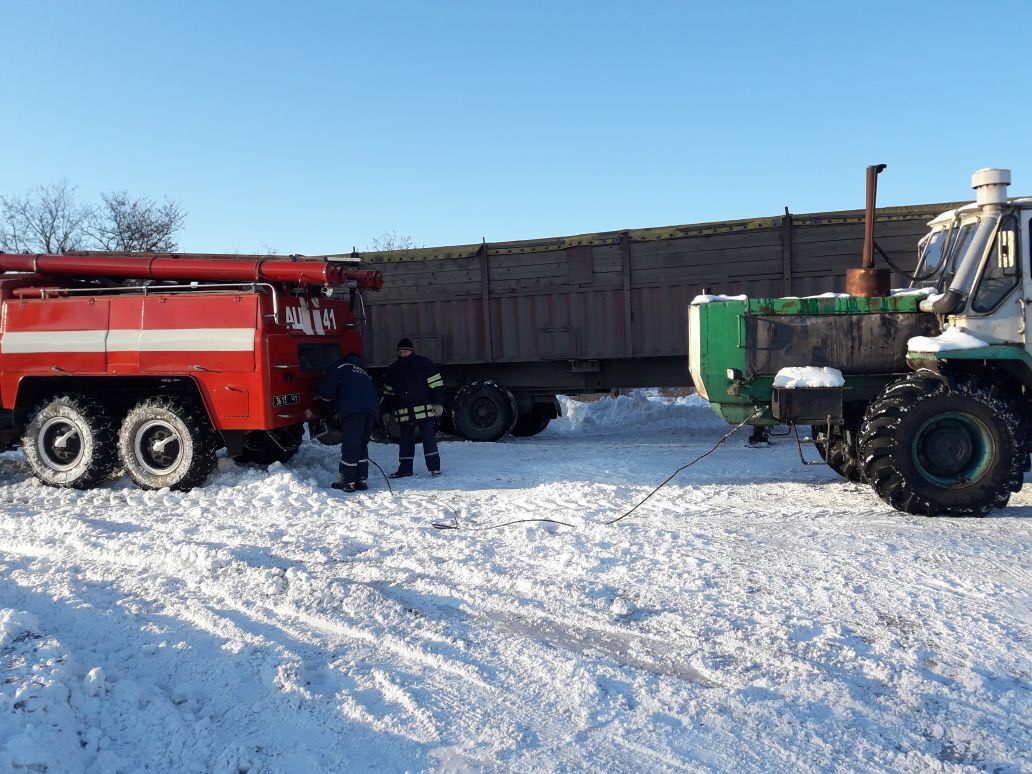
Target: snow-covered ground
755	615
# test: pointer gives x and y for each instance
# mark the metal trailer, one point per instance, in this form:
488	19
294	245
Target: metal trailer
513	324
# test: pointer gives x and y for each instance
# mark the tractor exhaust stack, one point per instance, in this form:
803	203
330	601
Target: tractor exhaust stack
867	281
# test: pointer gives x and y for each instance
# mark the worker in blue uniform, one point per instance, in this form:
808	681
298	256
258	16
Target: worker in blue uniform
348	388
414	394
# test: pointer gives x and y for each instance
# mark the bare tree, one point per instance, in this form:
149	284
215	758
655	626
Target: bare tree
47	219
123	224
392	240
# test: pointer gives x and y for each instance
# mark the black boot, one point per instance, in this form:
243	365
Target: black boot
361	486
399	474
344	486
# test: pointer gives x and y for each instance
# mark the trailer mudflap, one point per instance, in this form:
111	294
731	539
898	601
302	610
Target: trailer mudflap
807	404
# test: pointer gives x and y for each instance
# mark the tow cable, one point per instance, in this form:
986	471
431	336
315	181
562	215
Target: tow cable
454	525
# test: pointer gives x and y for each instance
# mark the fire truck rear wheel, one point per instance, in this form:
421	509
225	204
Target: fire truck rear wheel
167	442
70	442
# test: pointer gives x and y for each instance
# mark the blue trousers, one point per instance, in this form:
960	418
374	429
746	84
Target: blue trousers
354	447
407	445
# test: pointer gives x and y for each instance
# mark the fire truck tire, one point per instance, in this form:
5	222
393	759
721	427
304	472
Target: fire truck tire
70	442
167	442
531	423
260	448
933	447
484	411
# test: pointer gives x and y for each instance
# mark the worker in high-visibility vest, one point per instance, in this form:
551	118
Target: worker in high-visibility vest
414	394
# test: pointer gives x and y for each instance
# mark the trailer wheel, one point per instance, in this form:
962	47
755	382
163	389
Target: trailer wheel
531	423
70	442
936	449
260	448
484	411
839	451
167	442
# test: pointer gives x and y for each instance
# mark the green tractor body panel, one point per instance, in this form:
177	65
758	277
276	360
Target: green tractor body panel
736	347
994	352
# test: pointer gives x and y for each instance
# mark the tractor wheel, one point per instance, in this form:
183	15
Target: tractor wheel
934	448
167	442
484	411
530	424
70	442
839	451
261	448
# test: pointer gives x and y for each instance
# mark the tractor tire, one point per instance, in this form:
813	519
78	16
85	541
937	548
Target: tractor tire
936	448
839	451
260	448
70	442
530	424
167	442
484	411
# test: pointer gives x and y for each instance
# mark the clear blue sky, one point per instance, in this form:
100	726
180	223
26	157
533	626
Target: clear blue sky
312	127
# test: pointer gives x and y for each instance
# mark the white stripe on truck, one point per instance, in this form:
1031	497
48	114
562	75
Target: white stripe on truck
163	340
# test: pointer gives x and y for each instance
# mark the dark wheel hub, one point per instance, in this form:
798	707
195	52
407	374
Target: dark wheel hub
484	412
954	449
948	450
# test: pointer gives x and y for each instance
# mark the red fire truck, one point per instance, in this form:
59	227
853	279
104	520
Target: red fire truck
153	363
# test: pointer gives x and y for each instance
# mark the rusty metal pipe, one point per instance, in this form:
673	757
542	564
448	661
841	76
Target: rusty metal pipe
872	197
867	281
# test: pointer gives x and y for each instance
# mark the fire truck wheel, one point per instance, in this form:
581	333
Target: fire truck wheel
484	411
261	448
933	447
70	442
167	442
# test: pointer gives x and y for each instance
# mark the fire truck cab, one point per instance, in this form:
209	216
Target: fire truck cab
152	364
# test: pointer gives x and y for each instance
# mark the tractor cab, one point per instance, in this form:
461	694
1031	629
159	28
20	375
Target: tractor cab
976	257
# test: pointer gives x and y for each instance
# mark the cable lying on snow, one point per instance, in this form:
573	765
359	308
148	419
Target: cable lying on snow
455	525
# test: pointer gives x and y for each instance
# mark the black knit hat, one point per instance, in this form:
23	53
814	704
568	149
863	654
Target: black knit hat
405	344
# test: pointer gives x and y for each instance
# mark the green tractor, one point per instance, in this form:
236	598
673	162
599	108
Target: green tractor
923	393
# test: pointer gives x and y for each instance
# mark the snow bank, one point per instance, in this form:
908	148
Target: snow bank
639	412
707	298
797	377
949	340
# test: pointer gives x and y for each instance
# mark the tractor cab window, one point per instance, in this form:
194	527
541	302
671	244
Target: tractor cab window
1000	273
958	245
933	250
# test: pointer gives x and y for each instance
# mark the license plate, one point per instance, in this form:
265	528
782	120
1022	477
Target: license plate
289	399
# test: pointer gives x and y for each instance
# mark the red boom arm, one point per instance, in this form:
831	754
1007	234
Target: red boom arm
189	269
